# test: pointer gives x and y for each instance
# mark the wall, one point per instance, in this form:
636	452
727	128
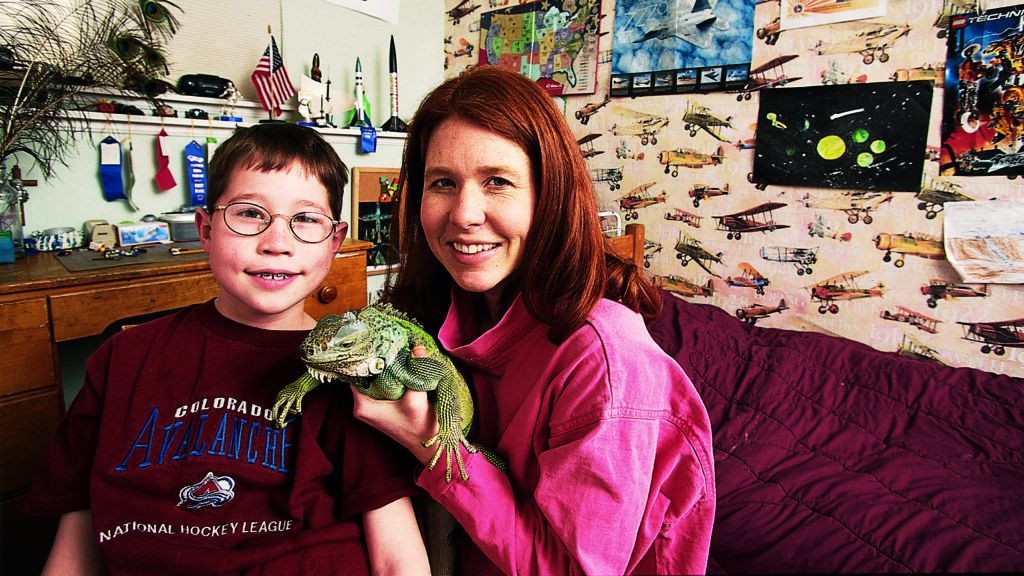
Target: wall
339	35
857	319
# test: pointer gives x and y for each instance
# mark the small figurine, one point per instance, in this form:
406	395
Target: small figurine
232	96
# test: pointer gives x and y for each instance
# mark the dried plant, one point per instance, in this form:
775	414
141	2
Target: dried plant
57	50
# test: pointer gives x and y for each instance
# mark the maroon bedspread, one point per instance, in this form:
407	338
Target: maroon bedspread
833	457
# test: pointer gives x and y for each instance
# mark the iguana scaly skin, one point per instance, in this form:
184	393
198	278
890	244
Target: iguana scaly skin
382	352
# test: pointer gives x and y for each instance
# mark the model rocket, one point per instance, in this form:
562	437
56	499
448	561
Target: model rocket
394	124
359	115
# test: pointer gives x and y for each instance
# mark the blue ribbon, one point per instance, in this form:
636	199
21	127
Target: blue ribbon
111	180
195	163
368	139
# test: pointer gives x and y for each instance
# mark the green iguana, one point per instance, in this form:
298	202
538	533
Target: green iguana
382	352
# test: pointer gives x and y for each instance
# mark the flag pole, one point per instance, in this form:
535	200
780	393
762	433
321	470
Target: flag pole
270	52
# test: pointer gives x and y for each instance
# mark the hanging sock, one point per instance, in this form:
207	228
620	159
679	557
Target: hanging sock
111	180
195	161
164	178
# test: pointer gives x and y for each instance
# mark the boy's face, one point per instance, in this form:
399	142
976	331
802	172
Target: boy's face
265	279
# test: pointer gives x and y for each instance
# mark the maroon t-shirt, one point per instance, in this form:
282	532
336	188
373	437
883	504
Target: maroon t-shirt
171	446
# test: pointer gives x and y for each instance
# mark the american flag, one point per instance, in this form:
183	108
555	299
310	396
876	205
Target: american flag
271	80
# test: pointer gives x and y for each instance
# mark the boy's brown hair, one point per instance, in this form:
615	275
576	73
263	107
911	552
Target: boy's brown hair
272	147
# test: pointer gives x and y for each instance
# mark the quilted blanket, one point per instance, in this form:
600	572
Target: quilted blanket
834	457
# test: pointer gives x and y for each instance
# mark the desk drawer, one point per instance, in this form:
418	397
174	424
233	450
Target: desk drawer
27	425
26	354
89	311
344	288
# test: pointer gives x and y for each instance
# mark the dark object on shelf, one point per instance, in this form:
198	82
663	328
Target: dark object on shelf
7	60
196	113
202	85
165	110
118	108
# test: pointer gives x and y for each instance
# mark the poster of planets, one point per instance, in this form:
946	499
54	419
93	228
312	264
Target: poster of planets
861	136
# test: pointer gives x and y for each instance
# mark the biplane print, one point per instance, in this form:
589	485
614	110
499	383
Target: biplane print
995	337
650	249
591	108
639	198
937	289
624	152
683	216
683	287
871	41
770	32
690	250
688	158
857	204
460	11
749	278
768	75
697	118
756	219
921	245
754	312
935	193
645	126
915	319
613	176
586	144
702	192
801	258
914	349
840	288
823	229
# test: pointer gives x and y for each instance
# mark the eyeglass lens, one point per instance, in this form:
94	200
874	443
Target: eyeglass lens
252	219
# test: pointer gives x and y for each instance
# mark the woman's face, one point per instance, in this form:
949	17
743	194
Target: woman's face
477	208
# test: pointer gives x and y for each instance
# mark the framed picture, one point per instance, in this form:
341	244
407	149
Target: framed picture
374	204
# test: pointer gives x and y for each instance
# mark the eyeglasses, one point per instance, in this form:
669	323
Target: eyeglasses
250	219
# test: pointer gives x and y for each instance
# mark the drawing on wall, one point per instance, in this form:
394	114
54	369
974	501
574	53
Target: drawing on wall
680	46
859	136
983	103
984	241
803	13
553	42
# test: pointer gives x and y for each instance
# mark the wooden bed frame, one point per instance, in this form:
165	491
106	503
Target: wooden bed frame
630	245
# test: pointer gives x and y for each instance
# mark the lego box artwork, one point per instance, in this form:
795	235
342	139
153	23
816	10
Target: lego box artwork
983	107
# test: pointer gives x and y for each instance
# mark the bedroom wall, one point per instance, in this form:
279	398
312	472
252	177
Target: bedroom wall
858	319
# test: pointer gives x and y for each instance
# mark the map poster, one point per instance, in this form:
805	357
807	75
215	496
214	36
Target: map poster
803	13
681	46
553	42
983	100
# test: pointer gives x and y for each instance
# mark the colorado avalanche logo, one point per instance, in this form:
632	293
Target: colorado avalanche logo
210	491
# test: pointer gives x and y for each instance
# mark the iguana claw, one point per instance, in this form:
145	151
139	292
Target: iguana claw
289	399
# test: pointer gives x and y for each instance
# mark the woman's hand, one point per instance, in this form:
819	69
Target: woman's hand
409	420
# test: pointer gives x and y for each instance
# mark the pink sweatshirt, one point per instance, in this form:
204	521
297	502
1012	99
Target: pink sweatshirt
608	445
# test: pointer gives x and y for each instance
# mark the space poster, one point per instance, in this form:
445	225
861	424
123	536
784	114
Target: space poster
681	46
983	107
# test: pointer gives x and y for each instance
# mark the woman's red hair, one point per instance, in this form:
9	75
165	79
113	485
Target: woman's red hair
566	267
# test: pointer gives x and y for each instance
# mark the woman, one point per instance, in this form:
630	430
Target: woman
608	444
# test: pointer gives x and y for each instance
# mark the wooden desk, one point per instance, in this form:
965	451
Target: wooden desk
41	304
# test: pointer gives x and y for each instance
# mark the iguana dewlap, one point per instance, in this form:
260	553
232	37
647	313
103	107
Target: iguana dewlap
382	353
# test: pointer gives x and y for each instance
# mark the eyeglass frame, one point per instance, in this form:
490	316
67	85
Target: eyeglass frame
289	219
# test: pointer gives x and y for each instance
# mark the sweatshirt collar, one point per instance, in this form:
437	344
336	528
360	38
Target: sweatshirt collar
459	335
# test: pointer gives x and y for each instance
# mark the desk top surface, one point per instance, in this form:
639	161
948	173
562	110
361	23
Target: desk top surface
44	271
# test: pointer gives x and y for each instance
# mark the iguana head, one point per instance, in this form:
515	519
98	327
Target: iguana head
350	347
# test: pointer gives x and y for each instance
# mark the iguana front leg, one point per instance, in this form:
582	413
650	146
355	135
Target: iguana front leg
289	399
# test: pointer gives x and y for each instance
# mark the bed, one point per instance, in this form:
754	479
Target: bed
834	457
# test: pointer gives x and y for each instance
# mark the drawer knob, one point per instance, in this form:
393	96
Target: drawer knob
327	294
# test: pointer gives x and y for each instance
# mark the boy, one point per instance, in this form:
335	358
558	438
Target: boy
168	462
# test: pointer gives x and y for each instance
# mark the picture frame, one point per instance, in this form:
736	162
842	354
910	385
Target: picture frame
371	218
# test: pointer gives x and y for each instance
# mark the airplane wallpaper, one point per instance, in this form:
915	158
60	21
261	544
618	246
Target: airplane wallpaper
713	38
687	134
